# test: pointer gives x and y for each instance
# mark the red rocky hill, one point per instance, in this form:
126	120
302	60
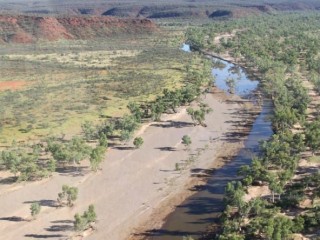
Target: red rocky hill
28	29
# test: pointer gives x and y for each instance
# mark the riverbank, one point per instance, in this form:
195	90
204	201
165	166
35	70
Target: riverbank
135	186
152	225
209	161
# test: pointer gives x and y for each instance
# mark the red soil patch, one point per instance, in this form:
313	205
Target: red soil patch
12	85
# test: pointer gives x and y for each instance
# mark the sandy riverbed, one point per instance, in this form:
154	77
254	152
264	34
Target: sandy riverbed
135	189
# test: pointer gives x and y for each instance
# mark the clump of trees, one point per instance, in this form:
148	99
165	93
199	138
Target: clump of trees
291	101
41	160
136	111
67	196
198	115
68	153
312	134
126	125
25	164
254	219
89	131
86	220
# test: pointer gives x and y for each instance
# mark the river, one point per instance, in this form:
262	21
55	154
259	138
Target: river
198	212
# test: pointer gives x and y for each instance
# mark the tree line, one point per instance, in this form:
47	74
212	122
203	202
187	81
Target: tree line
282	49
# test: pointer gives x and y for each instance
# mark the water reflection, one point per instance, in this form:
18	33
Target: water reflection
225	72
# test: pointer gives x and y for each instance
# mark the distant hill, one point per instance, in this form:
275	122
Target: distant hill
157	8
28	29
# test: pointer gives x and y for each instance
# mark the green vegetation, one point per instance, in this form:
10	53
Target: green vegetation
313	135
177	167
24	163
198	115
66	103
72	85
186	141
137	142
284	51
89	131
103	92
126	125
71	152
35	209
96	157
68	196
85	221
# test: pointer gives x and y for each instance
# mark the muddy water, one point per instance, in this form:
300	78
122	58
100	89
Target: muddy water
195	214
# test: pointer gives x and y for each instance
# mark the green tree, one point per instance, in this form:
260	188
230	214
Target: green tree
312	134
107	128
96	157
103	140
52	165
136	111
231	236
275	185
79	223
298	224
90	215
137	142
35	209
78	150
186	140
173	99
284	118
126	125
198	115
84	221
234	194
72	152
189	93
256	172
89	131
11	160
24	164
157	109
68	195
125	135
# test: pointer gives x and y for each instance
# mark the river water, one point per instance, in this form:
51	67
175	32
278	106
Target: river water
224	71
198	212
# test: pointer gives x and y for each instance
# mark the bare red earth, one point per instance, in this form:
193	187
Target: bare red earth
29	29
12	85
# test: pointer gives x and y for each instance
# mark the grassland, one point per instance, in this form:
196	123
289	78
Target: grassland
56	87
